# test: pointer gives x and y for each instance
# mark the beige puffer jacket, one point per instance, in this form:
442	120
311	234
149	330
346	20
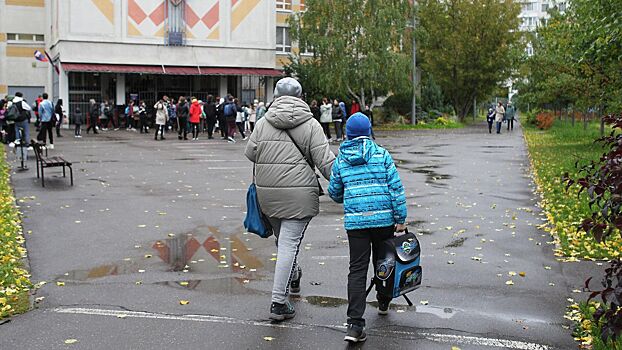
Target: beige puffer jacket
286	184
161	113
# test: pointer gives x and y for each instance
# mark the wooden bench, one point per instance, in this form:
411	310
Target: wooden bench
49	162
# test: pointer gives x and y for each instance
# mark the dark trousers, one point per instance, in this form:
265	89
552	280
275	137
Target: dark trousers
231	128
363	243
195	130
58	124
77	130
46	129
159	128
252	124
92	125
211	123
222	125
143	124
338	130
241	128
326	128
490	122
511	124
499	127
183	127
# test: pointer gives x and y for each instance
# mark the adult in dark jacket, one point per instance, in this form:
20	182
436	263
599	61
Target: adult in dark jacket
315	110
58	111
211	115
287	186
337	120
183	111
93	116
222	121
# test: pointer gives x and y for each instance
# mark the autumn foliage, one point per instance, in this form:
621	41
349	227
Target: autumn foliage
545	120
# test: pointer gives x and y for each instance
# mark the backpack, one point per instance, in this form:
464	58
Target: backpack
230	110
398	271
16	113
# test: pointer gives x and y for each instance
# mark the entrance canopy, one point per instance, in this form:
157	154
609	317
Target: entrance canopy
172	70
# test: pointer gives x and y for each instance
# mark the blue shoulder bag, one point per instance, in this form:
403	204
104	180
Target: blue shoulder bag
256	222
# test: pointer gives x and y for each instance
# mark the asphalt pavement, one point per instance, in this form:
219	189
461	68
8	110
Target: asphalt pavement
151	225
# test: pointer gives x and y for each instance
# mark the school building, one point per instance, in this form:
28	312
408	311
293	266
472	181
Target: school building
143	49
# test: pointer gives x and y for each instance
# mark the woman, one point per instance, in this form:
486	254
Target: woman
211	115
58	112
252	115
195	118
287	186
78	120
182	118
326	117
161	108
2	119
499	114
337	119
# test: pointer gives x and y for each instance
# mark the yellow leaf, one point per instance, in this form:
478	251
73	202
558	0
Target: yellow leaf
60	284
71	341
184	283
423	302
184	302
268	338
522	274
509	283
455	348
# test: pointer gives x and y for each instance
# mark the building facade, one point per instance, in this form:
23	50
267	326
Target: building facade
142	49
535	13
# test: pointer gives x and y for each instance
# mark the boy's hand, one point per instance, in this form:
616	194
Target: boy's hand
400	227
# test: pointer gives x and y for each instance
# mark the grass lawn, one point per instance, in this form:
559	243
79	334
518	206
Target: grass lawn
14	279
554	152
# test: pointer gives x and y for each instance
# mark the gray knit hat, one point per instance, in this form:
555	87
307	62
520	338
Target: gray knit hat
288	87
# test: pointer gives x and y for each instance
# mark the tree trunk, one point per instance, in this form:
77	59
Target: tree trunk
572	116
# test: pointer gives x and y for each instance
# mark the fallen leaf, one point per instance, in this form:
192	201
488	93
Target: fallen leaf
547	267
122	316
522	274
512	273
71	341
423	302
148	256
60	284
184	302
268	338
183	283
509	283
142	226
455	348
450	262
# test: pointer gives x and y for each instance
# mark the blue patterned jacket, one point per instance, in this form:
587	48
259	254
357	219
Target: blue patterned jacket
365	179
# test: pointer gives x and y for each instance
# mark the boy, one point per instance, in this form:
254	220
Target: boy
365	179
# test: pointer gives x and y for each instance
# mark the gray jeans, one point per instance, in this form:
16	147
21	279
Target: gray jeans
289	234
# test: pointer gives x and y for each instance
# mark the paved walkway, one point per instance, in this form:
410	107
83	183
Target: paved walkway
149	224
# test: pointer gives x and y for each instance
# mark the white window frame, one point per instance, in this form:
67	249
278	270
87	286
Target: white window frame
283	47
284	5
24	38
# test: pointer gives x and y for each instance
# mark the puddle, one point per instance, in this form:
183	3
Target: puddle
432	177
415	223
458	242
441	312
437	145
205	251
497	146
418	152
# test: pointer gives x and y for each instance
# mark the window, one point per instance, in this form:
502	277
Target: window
283	42
562	6
545	7
285	5
529	51
528	6
25	37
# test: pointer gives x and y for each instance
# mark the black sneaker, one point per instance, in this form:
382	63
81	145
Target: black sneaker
280	312
355	334
383	307
294	285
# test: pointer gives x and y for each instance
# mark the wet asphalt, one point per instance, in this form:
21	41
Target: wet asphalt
149	224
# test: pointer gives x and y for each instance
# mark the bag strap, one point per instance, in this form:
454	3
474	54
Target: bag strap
300	150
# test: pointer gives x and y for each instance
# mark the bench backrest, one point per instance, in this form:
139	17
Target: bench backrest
37	147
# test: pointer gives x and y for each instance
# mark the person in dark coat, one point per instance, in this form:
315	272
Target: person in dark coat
315	110
183	111
93	116
78	120
58	111
222	122
211	116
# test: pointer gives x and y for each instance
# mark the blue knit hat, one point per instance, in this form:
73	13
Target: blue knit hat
358	125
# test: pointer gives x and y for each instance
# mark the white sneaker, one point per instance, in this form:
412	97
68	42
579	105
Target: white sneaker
79	136
50	146
30	148
244	139
12	144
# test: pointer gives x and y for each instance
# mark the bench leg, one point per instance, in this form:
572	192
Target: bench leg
71	174
64	175
42	177
37	162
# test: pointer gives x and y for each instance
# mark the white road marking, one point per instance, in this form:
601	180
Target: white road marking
435	337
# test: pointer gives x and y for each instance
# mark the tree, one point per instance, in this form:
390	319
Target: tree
468	46
361	48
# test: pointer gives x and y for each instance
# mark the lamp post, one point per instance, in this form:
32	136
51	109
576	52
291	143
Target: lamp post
414	102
